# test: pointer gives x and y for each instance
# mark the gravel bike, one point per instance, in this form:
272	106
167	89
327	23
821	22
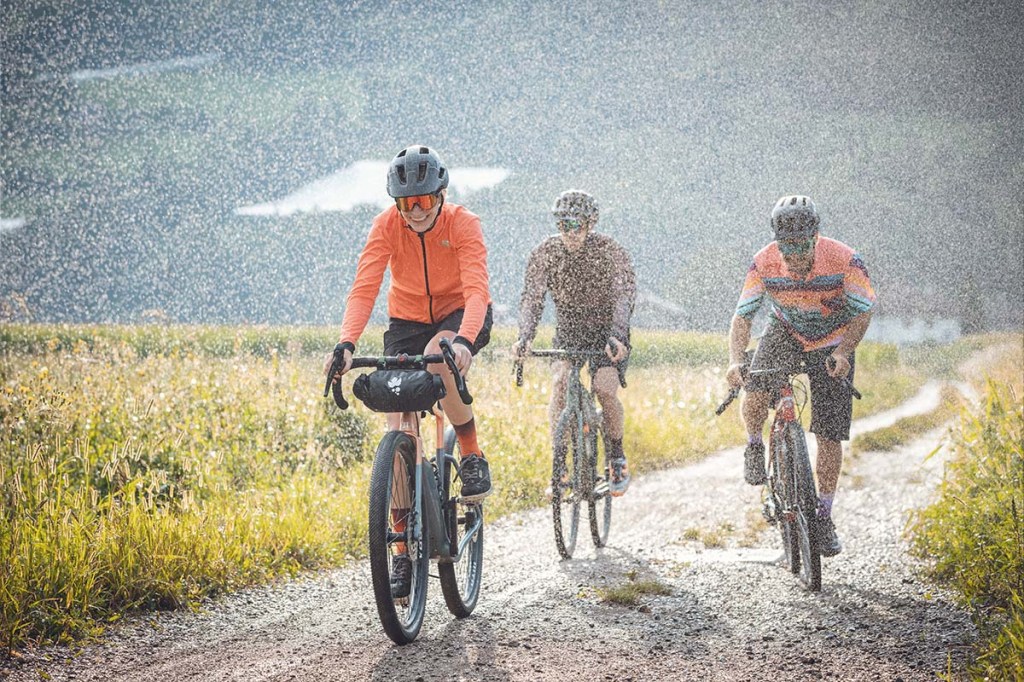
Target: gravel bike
790	496
414	509
575	474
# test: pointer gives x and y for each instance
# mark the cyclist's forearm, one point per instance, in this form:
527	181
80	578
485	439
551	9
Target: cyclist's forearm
530	311
855	331
739	337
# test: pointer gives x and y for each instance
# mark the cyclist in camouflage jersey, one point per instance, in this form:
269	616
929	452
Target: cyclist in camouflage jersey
591	280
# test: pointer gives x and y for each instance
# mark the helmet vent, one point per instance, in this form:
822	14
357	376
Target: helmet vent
793	200
421	171
401	173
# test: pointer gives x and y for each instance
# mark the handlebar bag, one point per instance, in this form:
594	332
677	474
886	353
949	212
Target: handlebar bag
399	390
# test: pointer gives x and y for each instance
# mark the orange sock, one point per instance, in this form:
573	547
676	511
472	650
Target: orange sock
466	435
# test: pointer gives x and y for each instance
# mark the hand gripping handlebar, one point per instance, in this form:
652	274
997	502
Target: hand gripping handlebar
401	361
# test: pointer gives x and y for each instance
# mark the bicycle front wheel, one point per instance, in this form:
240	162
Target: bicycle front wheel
779	483
565	492
600	497
806	508
461	575
394	530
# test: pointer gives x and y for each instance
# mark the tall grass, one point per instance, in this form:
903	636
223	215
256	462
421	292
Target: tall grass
150	467
974	532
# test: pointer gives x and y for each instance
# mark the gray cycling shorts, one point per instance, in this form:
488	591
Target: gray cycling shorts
831	399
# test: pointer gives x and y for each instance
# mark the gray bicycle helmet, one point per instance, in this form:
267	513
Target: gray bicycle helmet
575	203
416	170
794	217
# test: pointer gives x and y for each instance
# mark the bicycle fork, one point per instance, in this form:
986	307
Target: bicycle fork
774	503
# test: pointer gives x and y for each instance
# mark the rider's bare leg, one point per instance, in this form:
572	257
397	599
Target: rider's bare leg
606	388
830	463
755	413
560	376
457	411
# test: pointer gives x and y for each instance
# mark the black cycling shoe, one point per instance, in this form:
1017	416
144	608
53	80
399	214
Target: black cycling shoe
619	476
401	576
475	473
753	464
828	541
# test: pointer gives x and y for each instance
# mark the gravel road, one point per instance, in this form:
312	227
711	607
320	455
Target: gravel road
733	612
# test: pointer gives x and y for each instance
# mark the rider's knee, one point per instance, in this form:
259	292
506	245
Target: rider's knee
434	345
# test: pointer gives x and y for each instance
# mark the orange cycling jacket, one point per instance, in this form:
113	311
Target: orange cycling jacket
433	273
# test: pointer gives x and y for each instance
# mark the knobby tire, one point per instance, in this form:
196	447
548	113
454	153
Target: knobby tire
806	504
401	618
599	495
565	484
781	481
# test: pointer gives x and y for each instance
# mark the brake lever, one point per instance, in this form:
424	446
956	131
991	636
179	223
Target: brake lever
733	392
853	390
449	359
337	364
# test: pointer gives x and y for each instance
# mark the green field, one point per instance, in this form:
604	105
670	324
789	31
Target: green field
150	467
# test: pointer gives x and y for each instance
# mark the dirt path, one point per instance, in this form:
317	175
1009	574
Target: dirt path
733	614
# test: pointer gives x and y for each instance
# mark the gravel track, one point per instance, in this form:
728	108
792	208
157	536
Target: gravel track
733	612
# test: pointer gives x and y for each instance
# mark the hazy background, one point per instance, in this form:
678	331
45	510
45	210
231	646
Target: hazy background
131	132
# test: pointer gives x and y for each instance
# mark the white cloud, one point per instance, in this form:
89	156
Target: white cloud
364	184
11	224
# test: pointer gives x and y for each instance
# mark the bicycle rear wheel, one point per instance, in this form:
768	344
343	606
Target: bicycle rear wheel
565	488
392	525
806	498
461	575
599	497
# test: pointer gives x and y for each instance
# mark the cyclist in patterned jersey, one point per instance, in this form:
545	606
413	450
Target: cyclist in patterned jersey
591	280
821	301
439	288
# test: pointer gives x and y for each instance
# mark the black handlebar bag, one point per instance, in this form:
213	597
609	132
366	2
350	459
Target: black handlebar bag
399	390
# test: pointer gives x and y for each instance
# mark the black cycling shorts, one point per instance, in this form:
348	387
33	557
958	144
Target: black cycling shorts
831	399
404	336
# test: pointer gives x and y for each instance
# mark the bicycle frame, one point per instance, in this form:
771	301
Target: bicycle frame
785	413
432	501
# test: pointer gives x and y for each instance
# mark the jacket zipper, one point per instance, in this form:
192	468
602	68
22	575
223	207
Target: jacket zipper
426	278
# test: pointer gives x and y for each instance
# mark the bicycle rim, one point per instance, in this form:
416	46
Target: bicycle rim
565	499
461	577
807	502
401	617
600	497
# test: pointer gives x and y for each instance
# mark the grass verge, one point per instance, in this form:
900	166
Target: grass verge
974	532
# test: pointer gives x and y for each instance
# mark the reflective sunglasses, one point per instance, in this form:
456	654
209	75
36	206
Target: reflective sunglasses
799	247
567	225
425	201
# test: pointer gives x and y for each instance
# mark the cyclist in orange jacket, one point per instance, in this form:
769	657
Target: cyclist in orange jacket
439	288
